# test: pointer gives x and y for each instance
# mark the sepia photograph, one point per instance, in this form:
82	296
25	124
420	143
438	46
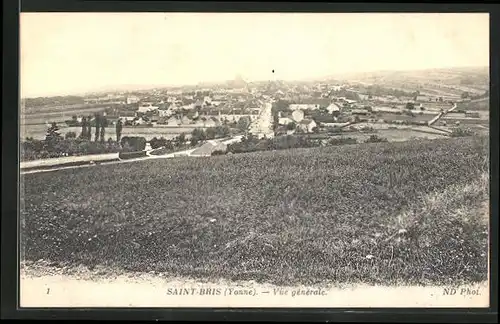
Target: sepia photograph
336	160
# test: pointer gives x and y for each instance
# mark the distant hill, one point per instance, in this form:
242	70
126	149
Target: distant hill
442	75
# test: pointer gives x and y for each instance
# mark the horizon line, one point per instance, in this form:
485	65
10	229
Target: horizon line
145	87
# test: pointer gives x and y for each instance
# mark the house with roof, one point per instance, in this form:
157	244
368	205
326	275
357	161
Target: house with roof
173	121
333	108
307	125
198	103
185	120
211	122
162	120
132	100
285	121
216	103
154	119
127	115
303	106
207	100
360	112
282	130
193	114
147	106
298	115
140	121
165	110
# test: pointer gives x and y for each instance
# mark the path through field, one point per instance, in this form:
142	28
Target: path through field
103	159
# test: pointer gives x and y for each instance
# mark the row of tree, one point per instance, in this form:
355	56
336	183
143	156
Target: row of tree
32	149
100	124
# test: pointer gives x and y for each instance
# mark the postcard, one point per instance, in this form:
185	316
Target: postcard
254	160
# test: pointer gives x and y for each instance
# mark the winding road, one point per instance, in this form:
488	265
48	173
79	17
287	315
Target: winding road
103	159
441	114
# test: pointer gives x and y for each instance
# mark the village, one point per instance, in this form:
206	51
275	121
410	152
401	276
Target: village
196	120
278	155
303	108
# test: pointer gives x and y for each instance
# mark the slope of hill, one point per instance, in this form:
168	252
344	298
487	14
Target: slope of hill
472	77
377	213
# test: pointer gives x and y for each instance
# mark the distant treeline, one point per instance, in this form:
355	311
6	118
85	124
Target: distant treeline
55	101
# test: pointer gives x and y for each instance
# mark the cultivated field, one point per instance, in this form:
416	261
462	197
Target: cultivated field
476	105
412	212
58	114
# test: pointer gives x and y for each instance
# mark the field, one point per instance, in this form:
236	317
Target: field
476	105
399	135
58	114
465	121
385	213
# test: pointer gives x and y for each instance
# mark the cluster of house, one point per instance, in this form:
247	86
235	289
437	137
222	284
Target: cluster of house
297	115
209	111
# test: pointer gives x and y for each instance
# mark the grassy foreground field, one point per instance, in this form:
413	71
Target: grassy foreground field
411	212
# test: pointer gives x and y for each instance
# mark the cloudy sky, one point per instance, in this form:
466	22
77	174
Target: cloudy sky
68	53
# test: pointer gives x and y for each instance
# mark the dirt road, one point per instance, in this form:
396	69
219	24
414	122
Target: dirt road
440	115
102	159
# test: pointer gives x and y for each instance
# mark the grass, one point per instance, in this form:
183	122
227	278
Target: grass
382	213
476	105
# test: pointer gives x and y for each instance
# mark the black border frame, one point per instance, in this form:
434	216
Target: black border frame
9	267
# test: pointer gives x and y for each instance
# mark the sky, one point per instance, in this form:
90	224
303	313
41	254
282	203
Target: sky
71	53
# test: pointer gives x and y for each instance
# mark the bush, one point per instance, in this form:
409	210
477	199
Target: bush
135	143
35	149
131	155
218	152
342	141
70	135
461	132
211	133
376	139
158	142
222	131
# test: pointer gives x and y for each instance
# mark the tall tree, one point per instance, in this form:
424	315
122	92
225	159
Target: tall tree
243	123
104	124
89	128
181	139
119	127
53	132
97	126
84	128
